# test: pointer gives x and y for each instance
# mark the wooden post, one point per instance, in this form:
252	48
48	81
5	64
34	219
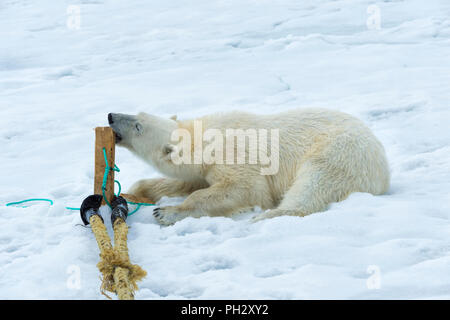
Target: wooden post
119	275
104	138
132	198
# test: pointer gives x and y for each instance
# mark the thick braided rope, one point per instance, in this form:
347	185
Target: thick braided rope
104	244
118	274
125	277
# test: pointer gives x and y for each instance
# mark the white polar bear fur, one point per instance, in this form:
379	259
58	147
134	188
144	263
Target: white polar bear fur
324	156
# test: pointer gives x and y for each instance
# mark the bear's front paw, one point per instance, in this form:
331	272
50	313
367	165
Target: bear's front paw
167	215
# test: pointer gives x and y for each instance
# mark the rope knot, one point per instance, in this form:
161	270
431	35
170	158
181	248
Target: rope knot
118	273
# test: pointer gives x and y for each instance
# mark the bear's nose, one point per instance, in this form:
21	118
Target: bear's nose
110	118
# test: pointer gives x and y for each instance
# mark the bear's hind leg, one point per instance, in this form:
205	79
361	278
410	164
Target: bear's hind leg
315	187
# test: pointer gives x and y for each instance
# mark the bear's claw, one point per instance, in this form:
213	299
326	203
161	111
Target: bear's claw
167	215
156	212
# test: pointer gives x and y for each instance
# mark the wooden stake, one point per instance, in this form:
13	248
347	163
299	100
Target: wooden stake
132	198
104	138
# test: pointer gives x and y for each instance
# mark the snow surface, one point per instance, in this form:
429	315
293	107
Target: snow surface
191	58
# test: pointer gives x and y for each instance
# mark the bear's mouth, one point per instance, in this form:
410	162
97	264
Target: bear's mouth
118	137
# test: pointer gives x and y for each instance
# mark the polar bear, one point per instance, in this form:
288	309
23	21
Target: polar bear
321	157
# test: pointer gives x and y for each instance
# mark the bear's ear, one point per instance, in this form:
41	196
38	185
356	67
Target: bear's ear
168	151
174	117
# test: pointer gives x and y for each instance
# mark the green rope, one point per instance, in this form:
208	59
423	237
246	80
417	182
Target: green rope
105	179
120	188
29	200
33	200
71	208
139	205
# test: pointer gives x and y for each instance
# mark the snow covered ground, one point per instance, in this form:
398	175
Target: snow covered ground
59	79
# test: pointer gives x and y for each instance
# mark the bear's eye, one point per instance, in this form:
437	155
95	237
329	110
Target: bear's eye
138	127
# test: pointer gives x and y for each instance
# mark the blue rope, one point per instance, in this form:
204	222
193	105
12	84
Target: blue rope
29	200
139	205
105	179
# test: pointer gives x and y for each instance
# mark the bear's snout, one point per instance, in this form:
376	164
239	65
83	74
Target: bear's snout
117	135
123	126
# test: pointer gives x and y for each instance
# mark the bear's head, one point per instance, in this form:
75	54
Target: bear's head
149	137
143	134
